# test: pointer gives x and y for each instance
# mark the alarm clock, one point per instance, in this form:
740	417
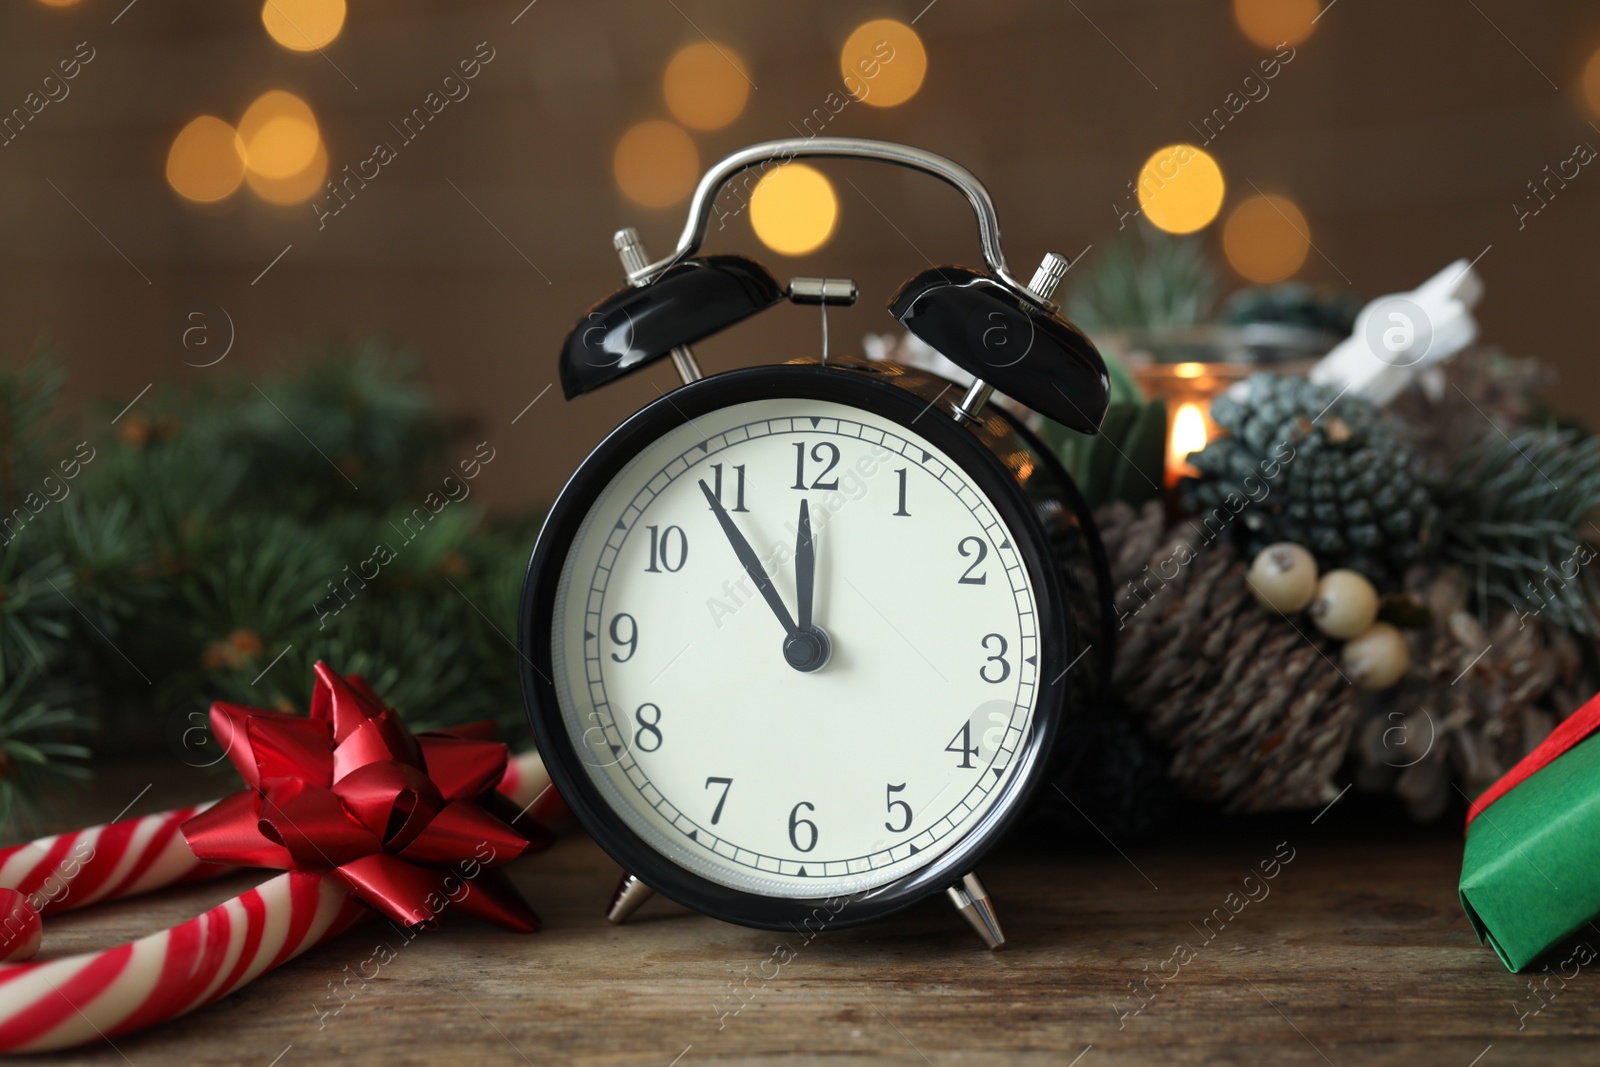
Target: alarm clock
798	641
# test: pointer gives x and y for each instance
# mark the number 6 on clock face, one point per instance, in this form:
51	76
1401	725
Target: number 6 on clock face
796	646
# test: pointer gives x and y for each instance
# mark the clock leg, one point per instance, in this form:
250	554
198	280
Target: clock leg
972	901
626	900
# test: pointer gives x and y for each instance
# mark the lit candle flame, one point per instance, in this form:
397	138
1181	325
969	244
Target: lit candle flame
1188	435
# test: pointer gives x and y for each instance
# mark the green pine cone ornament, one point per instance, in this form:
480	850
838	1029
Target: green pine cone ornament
1302	463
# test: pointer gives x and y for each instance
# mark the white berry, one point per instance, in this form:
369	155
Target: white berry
1345	604
1376	658
1283	577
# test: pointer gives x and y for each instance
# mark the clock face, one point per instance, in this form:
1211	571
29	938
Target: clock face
785	715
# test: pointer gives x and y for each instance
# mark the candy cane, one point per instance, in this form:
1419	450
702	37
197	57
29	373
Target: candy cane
59	1003
64	1002
527	785
105	862
133	856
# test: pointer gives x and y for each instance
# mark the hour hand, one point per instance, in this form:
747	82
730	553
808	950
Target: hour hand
805	566
808	648
748	560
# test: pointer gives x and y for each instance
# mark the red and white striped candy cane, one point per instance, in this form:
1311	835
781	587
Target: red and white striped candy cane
105	862
132	856
59	1003
527	785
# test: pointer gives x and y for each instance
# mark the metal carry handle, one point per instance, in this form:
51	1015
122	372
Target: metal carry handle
705	194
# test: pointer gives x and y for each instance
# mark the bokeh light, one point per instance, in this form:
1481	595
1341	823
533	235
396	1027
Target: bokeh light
279	134
793	209
1591	82
1270	23
205	162
303	25
58	3
1180	188
883	62
706	85
1266	238
656	163
295	188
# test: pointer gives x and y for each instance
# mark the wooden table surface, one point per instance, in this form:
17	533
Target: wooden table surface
1355	953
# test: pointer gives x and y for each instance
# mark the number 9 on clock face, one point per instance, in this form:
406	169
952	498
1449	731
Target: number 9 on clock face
795	647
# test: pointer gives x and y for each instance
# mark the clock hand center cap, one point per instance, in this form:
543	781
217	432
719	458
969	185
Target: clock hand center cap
808	649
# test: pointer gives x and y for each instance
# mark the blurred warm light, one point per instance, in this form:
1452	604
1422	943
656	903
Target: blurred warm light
303	25
58	3
706	86
1188	435
296	188
793	209
279	134
1180	188
1270	23
1591	81
205	162
656	164
883	63
1266	238
282	148
1189	370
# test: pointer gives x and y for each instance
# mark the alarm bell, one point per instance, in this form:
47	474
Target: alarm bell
1009	336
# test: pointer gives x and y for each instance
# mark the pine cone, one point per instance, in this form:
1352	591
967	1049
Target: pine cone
1251	703
1444	409
1335	476
1130	537
1475	701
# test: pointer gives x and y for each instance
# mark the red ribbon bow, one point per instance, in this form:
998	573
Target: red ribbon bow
408	822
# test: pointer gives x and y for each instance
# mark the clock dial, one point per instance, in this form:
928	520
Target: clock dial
795	648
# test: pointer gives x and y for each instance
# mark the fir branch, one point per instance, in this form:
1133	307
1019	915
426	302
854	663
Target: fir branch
1516	514
35	614
28	397
1146	280
34	728
200	540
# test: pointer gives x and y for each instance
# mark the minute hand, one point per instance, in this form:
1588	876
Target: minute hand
747	558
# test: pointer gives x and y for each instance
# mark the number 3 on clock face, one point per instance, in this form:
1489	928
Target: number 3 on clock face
795	651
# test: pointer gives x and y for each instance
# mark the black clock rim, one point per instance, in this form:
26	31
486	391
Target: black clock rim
799	382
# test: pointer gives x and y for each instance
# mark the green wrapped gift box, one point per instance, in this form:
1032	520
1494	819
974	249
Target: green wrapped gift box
1531	874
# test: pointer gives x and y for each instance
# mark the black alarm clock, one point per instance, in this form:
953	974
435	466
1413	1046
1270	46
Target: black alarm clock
799	640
